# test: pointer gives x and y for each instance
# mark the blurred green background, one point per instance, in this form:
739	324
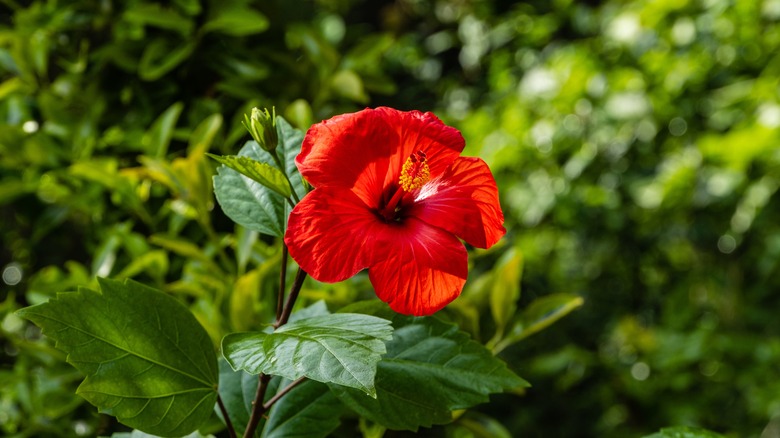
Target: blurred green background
635	144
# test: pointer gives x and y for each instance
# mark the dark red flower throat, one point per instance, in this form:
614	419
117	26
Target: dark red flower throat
414	174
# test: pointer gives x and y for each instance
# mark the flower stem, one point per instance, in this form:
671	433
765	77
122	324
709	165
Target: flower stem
282	281
223	410
294	291
258	409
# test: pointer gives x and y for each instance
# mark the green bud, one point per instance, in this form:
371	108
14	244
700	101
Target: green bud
262	126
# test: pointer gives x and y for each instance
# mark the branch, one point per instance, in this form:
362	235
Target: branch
231	430
281	393
257	406
294	291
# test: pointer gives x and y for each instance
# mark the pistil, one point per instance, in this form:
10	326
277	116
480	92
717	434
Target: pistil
414	174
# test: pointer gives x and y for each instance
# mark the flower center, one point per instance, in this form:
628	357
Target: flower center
414	174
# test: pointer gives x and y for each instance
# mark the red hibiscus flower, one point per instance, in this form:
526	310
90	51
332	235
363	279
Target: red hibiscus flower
392	194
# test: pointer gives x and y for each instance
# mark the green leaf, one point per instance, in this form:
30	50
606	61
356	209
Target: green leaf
540	314
158	137
249	203
147	360
139	434
181	247
479	425
431	368
684	432
237	390
237	22
155	263
341	348
152	14
348	84
161	56
244	242
319	308
506	288
309	410
263	173
290	140
243	296
203	135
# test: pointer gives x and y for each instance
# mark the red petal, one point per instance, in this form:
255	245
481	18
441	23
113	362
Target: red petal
463	201
424	132
424	270
365	150
331	234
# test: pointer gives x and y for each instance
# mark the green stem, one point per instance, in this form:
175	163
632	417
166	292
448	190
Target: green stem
231	430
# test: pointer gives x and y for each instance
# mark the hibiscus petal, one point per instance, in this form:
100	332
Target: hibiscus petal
424	132
365	150
350	151
464	201
422	272
330	233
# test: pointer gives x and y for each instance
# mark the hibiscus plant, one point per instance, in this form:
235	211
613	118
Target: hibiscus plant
380	189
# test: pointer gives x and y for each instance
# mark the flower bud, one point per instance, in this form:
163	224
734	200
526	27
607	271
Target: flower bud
262	126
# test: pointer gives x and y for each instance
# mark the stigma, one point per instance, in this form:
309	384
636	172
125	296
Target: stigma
415	172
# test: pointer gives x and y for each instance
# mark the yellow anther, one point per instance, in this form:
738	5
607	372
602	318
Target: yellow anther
415	172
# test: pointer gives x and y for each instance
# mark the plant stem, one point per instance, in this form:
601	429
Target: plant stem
294	290
281	393
282	285
231	430
257	406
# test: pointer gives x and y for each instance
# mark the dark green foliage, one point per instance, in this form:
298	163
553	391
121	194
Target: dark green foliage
146	359
634	144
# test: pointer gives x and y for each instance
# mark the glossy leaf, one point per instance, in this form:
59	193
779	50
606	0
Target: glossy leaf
343	349
309	410
147	360
431	368
248	202
265	174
